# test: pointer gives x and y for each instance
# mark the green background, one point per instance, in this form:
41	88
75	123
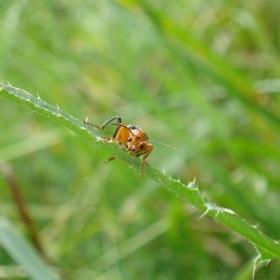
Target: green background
201	76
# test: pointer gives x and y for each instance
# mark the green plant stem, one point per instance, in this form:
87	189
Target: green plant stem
267	247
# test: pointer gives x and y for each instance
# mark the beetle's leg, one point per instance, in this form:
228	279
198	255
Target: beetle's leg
91	124
106	139
119	121
110	159
149	149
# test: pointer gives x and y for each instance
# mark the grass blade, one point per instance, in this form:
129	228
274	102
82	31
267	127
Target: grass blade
21	251
188	192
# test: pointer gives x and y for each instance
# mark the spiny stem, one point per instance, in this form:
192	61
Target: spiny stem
267	247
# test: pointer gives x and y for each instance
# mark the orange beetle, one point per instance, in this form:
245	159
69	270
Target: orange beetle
132	138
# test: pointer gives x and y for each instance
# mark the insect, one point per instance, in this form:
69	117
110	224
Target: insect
132	138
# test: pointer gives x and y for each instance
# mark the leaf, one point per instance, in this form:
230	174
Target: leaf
188	192
23	253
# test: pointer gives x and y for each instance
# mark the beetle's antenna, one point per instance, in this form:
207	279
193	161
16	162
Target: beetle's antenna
166	146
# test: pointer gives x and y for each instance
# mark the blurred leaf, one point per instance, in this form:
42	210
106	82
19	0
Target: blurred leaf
22	252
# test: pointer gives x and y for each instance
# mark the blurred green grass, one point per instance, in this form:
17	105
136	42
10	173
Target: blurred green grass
199	76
